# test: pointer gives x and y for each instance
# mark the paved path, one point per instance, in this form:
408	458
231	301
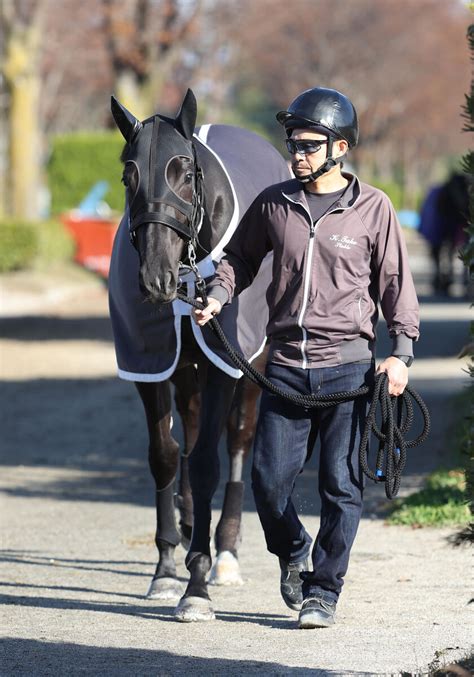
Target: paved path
77	523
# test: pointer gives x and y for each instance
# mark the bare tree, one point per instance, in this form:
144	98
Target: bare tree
59	63
146	41
75	66
402	63
21	25
135	49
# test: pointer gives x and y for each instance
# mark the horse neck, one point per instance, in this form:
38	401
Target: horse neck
218	200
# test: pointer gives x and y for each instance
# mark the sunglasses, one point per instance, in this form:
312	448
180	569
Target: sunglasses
304	147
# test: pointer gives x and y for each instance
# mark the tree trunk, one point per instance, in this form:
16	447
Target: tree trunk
23	80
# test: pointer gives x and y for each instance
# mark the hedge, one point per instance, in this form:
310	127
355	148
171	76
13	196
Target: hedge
81	159
25	244
78	161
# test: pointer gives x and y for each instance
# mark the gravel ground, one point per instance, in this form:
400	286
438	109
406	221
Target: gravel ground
77	523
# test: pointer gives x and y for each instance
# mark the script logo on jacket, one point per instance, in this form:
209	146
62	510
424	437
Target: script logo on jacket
342	241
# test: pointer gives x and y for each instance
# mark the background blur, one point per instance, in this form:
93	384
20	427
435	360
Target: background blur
404	64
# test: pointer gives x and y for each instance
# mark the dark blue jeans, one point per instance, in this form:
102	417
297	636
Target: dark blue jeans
284	432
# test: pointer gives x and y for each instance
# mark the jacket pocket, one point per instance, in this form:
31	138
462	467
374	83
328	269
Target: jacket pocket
357	312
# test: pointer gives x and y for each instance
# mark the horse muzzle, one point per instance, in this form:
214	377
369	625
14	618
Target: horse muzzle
158	290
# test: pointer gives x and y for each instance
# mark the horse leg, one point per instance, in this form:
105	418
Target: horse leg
195	605
240	435
188	402
163	453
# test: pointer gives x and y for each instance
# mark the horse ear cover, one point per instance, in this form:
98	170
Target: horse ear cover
186	119
125	121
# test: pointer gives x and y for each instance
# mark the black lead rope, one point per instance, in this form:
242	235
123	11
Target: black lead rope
392	451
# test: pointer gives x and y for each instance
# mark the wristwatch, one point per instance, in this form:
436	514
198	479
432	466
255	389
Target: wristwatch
406	359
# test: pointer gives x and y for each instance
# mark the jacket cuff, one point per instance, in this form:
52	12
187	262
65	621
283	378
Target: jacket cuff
402	345
219	293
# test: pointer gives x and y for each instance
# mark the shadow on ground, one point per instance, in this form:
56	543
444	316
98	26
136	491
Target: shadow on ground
54	328
61	658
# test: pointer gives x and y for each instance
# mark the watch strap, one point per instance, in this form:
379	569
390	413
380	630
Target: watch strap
406	359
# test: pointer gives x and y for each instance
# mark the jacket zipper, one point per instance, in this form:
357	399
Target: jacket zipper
309	267
307	280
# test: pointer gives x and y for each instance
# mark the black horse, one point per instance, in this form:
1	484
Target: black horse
186	191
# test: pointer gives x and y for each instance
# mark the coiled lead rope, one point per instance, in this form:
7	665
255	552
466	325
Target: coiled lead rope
391	456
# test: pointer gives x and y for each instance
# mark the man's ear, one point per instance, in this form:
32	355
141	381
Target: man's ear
342	147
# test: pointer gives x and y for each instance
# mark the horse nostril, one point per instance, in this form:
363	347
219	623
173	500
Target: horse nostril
157	285
170	282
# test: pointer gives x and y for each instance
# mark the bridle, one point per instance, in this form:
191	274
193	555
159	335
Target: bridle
161	196
193	212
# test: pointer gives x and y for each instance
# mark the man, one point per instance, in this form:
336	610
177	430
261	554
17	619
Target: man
338	250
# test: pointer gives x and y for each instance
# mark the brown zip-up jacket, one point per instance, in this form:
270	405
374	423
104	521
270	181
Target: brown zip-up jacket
328	276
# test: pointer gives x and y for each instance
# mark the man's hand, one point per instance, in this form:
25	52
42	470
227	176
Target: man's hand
213	307
397	373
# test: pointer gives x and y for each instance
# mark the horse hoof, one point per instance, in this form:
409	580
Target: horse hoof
192	609
226	570
165	588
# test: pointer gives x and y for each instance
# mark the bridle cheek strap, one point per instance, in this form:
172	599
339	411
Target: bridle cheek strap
329	164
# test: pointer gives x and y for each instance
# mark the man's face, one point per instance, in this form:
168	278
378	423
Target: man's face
309	162
306	163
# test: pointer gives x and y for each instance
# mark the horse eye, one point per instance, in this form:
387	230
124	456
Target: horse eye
188	177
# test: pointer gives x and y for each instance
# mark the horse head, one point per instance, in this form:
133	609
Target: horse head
163	193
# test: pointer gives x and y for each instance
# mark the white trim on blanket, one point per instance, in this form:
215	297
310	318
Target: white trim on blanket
218	361
203	132
212	356
206	269
164	375
216	253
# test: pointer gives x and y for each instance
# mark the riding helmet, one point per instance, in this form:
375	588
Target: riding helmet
325	108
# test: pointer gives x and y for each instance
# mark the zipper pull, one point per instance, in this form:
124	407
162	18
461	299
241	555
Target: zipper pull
312	228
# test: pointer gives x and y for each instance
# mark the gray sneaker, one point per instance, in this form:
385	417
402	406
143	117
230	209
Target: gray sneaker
317	612
291	583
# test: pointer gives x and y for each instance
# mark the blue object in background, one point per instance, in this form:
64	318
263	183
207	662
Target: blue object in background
90	205
408	218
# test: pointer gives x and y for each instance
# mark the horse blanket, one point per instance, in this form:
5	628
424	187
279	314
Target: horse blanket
147	336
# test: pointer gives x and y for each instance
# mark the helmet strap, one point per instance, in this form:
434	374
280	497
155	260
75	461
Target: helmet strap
329	163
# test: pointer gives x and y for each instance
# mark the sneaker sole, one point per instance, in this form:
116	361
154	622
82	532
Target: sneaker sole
310	623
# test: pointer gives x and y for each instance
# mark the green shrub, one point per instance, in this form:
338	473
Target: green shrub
78	161
25	244
442	502
54	242
18	245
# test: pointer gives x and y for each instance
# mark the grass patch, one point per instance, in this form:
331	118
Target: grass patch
445	498
442	502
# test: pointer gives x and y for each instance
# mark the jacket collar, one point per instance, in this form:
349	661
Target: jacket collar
294	192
